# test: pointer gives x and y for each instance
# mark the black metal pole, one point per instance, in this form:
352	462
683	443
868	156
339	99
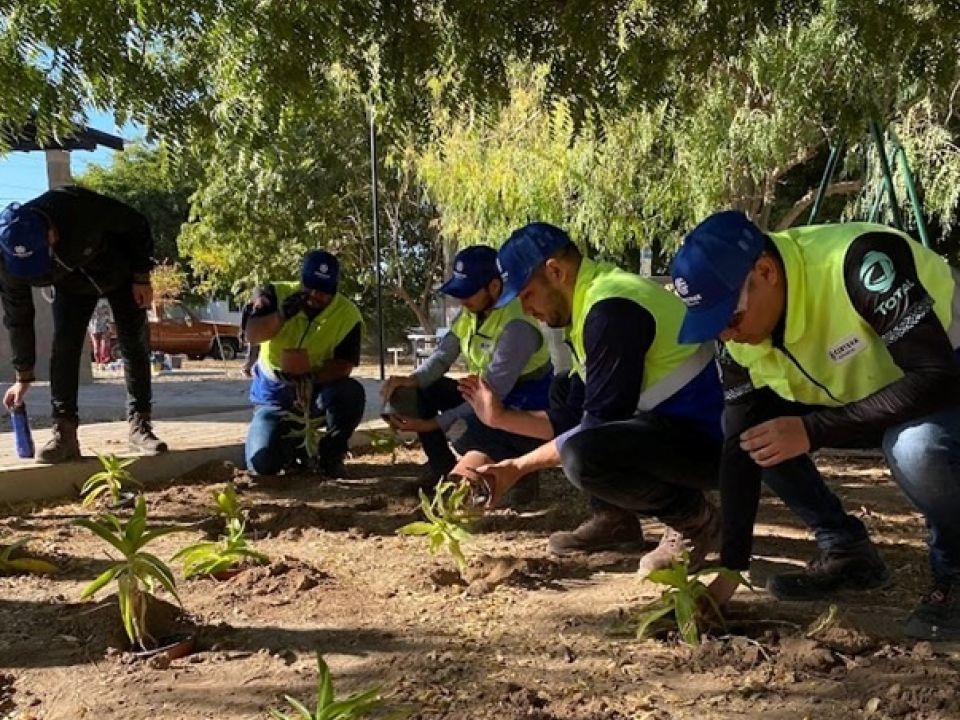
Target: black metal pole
376	235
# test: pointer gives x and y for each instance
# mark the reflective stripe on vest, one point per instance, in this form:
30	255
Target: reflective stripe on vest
318	336
831	356
477	345
668	365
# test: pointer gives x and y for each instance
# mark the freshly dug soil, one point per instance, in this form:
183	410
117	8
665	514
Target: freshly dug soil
519	635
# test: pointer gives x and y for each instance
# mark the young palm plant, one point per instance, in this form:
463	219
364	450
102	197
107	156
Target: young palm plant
357	705
23	564
682	597
209	558
449	517
112	479
138	573
307	429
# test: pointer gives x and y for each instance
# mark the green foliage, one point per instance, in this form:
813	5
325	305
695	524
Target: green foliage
138	573
31	565
209	558
354	706
683	597
227	504
308	430
449	516
112	479
384	441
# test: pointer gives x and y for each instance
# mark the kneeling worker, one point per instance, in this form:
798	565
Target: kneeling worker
500	344
310	315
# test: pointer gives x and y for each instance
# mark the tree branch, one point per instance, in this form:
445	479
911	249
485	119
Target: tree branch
841	188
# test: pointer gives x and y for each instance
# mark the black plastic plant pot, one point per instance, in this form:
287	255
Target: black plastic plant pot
173	646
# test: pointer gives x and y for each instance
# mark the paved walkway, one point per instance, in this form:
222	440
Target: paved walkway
202	415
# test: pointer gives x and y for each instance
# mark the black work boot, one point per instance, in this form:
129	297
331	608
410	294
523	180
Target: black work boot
607	529
332	468
937	617
697	534
428	477
63	446
855	567
142	438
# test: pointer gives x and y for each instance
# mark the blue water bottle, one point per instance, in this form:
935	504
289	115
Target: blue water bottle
21	431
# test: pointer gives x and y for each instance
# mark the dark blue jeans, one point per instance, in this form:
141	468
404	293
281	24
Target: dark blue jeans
268	450
71	313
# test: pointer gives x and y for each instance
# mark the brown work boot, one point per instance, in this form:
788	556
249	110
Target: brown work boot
608	529
697	534
63	446
142	438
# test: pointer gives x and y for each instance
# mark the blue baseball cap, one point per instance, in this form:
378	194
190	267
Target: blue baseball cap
709	270
473	269
321	271
523	252
23	241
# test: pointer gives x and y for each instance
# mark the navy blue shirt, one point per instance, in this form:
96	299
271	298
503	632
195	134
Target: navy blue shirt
617	335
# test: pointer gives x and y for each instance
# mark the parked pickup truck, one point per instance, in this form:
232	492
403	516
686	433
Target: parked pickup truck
177	330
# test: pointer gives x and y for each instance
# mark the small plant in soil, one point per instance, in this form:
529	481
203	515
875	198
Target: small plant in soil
383	442
112	479
449	516
227	503
357	705
12	565
209	558
682	597
138	573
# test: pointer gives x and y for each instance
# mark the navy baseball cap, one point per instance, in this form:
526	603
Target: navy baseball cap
524	251
710	269
321	271
473	269
23	241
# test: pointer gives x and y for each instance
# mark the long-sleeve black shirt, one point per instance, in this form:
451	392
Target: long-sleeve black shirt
101	245
918	344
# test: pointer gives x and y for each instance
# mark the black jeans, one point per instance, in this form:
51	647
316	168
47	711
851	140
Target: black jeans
71	313
650	464
443	395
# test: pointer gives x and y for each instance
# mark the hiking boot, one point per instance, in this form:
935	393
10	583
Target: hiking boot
333	469
937	617
63	445
607	529
524	492
142	438
427	480
697	535
855	567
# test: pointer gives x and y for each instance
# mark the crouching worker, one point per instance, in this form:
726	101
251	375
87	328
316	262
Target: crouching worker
500	344
648	439
309	337
835	334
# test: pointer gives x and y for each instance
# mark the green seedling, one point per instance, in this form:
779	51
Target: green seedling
308	430
209	558
450	514
31	565
383	442
357	705
138	574
112	479
683	597
227	504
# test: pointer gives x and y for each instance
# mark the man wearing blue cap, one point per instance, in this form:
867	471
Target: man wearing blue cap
835	335
313	317
499	344
648	438
86	246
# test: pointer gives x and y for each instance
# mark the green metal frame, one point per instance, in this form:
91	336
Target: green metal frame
899	158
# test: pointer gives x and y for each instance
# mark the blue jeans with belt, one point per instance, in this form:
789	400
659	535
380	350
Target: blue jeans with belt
268	449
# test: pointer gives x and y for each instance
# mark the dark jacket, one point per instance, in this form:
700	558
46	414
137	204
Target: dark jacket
102	244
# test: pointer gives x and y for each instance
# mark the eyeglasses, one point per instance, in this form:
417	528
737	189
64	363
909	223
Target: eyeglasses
741	308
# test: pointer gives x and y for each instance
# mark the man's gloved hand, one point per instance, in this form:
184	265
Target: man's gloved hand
292	305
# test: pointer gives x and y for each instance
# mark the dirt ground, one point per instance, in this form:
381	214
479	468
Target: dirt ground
529	637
